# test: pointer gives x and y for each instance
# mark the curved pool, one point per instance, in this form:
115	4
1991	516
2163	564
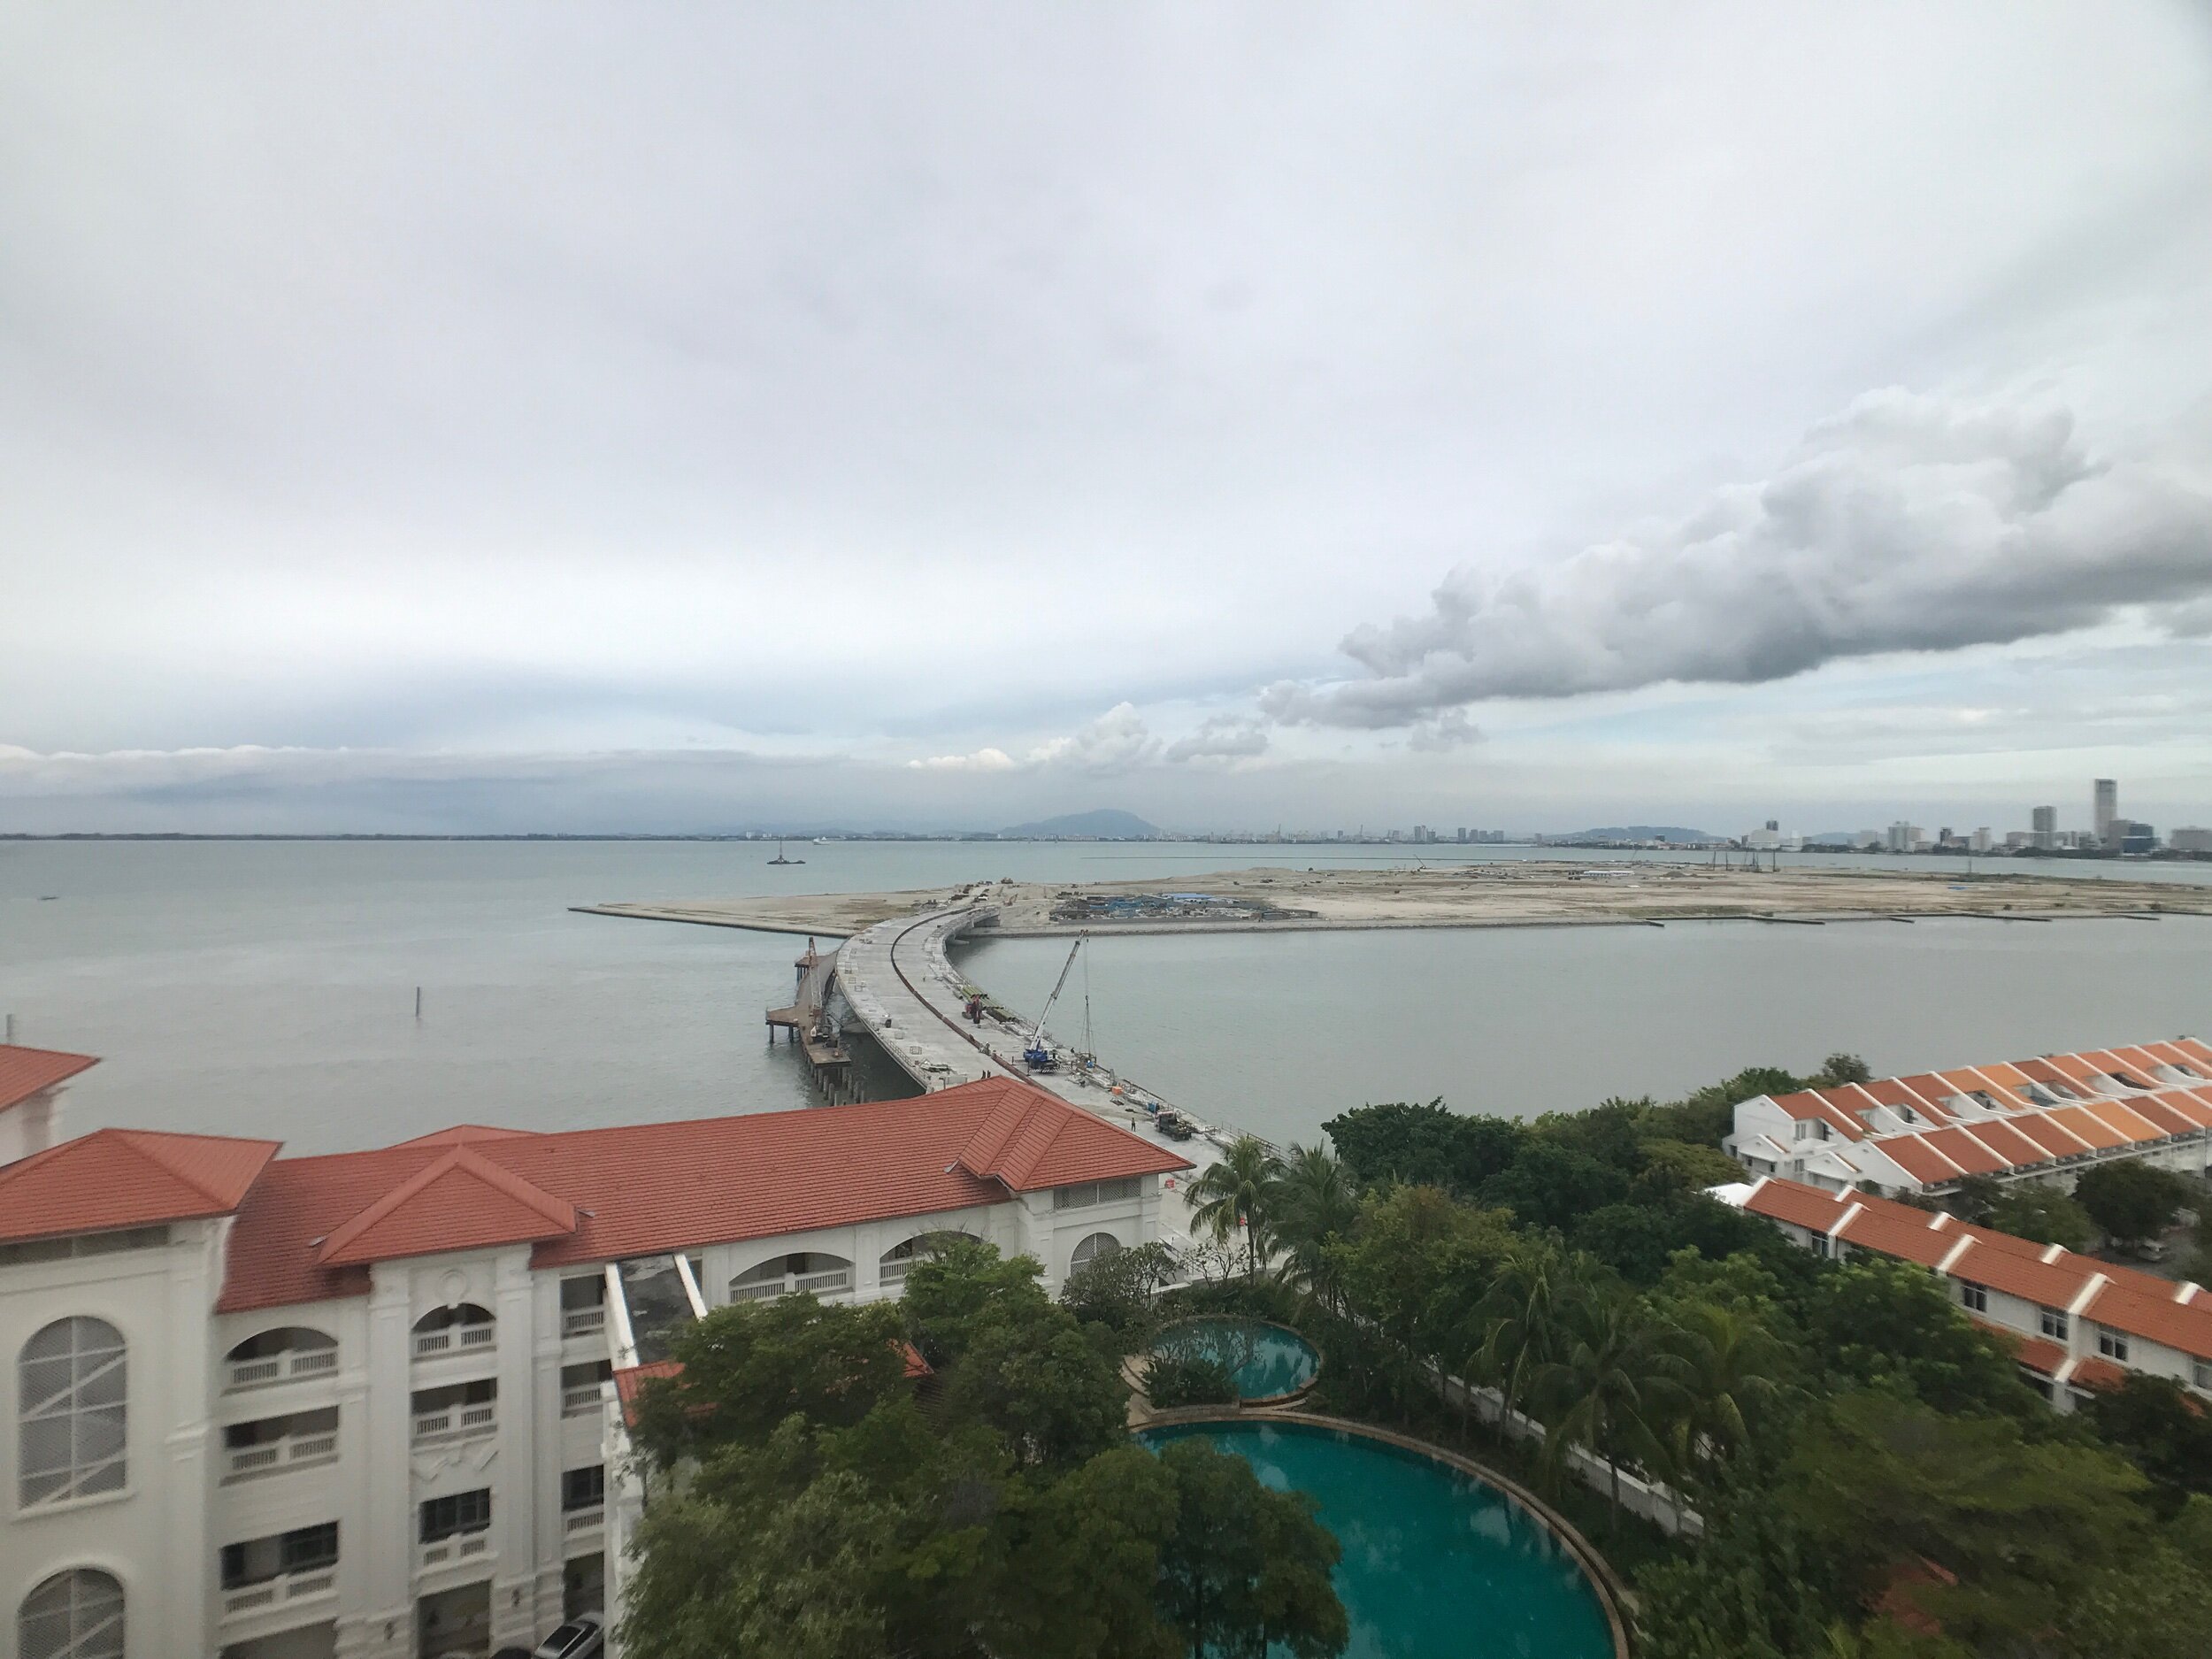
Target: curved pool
1269	1361
1436	1564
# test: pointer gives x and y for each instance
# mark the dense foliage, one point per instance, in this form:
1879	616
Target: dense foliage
821	1495
1876	1477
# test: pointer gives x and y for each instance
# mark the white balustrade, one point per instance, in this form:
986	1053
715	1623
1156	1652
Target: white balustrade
583	1321
452	1424
291	1587
576	1401
244	1462
288	1366
583	1520
457	1546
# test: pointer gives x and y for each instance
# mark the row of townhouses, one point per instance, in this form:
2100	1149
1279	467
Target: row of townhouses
2042	1119
371	1403
2073	1323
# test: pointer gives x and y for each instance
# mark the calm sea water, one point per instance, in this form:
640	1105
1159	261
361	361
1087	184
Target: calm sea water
269	987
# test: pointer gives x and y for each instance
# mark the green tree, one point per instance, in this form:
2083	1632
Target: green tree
1756	1587
1245	1569
2130	1200
1078	1572
1843	1068
1415	1265
1423	1145
1314	1202
1893	1325
2159	1429
2040	1211
1613	1387
956	1286
746	1367
1520	1317
1115	1293
1732	1379
1235	1193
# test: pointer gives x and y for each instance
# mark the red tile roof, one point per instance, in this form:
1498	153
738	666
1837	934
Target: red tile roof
2121	1118
2197	1051
459	1201
1913	1241
2195	1104
460	1134
2154	1110
643	1189
1963	1149
2054	1138
126	1177
2049	1284
2087	1126
1808	1107
1794	1201
1913	1155
2183	1326
2002	1138
2036	1353
27	1072
2095	1371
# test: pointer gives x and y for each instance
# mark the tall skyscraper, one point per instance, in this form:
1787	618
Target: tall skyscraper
2106	808
2046	831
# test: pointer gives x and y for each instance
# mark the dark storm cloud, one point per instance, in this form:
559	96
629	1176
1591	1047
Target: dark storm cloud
1907	523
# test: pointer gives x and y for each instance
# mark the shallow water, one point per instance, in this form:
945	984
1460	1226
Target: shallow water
268	987
1435	1565
1271	1361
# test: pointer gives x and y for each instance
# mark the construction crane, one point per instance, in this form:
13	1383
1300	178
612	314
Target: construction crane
1036	1055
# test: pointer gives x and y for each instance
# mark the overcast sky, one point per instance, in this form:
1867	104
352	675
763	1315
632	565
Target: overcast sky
680	418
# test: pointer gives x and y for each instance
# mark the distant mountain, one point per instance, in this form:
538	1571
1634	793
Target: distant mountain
1105	825
1640	833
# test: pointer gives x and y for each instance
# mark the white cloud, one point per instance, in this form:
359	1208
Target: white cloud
980	760
1222	737
1907	523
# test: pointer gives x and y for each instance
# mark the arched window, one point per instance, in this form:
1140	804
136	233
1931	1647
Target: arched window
453	1330
76	1615
280	1356
893	1268
1097	1245
70	1390
781	1275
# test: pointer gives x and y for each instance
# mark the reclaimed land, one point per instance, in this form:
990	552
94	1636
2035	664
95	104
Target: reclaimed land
1535	893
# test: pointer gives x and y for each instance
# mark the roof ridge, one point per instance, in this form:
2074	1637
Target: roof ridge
557	1212
133	1140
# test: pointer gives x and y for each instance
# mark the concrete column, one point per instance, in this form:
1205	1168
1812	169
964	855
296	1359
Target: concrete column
384	1548
517	1493
187	1572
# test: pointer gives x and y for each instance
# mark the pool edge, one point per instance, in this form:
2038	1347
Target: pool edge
1612	1591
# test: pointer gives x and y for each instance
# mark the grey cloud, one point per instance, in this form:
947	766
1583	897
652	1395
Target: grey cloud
1907	523
1224	737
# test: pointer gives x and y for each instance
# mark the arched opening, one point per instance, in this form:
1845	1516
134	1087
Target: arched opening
900	1258
454	1330
784	1275
74	1614
1098	1245
71	1389
280	1356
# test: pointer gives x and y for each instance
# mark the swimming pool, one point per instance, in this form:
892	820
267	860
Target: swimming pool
1269	1361
1436	1564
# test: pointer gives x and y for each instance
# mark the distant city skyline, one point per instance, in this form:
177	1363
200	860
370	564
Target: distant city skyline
732	418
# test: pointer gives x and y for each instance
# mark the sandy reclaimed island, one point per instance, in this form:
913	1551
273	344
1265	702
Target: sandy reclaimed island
1531	893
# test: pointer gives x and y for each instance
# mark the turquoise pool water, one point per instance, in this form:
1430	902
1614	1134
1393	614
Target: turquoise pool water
1435	1565
1271	1361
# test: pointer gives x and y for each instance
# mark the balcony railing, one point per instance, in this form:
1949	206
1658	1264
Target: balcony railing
244	1462
583	1321
584	1520
824	1284
578	1400
456	1422
278	1591
288	1366
458	1547
453	1338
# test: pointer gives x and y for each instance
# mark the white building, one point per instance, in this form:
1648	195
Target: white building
2045	1119
2073	1324
368	1404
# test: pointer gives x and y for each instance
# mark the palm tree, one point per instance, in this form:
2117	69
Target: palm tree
1311	1203
1518	1319
1614	1382
1731	1366
1236	1193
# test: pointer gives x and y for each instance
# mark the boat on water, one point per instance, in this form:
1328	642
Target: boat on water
780	859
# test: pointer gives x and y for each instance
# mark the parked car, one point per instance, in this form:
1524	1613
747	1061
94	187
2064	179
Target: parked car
583	1637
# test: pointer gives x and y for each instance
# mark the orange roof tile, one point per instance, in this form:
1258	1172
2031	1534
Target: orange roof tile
1930	1087
642	1189
2008	1143
2050	1285
2195	1104
1909	1241
2054	1138
2120	1117
1799	1205
460	1134
2004	1076
2183	1326
1964	1150
2043	1071
1971	1079
2120	1069
459	1201
126	1177
27	1072
2174	1054
2036	1353
1893	1093
2095	1371
2161	1114
2073	1067
1913	1155
2086	1127
2196	1051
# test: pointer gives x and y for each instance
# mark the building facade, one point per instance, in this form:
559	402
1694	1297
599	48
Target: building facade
2073	1324
2045	1119
370	1404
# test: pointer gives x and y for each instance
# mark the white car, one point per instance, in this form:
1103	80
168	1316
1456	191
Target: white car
581	1638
